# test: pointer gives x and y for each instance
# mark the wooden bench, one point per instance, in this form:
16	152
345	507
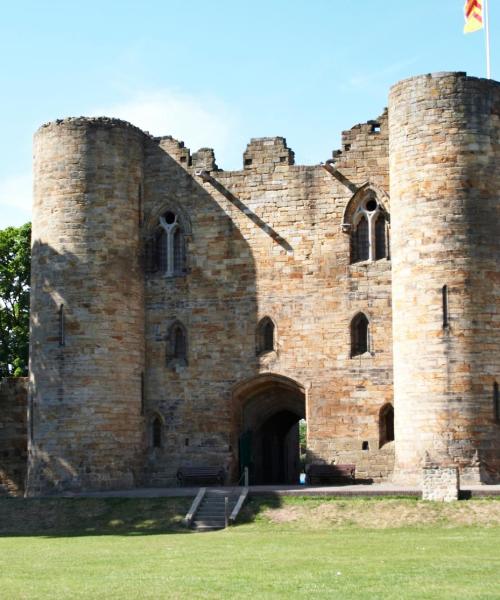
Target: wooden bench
324	474
201	475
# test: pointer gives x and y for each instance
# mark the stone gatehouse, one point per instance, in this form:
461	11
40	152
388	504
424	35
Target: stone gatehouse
186	315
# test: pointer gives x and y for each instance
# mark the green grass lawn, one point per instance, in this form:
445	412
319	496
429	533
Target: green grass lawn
293	548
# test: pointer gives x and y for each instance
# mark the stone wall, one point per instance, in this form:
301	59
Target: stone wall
13	435
445	214
440	483
267	241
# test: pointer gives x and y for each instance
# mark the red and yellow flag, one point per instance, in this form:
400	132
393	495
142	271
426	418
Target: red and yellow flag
473	10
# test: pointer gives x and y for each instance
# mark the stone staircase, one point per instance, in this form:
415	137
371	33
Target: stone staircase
210	513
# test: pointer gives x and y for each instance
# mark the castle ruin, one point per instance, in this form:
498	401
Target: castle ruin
185	315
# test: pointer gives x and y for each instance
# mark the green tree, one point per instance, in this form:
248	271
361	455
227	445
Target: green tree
303	441
15	257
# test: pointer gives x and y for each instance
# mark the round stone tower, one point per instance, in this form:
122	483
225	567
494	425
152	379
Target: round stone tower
87	307
444	134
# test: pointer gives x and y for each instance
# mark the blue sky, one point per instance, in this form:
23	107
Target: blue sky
218	73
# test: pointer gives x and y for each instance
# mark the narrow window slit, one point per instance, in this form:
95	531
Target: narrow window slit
444	296
156	432
496	402
142	393
139	204
62	340
269	337
31	418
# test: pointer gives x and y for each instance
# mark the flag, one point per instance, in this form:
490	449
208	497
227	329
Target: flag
473	11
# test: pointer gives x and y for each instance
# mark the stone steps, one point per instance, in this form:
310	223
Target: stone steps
211	514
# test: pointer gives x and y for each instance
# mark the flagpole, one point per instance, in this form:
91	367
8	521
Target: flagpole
487	30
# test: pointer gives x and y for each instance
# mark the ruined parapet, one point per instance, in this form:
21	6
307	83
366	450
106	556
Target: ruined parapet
87	306
444	133
176	149
204	159
364	153
266	152
13	435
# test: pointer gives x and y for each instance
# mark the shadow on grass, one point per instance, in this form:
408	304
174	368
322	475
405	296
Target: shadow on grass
73	517
77	517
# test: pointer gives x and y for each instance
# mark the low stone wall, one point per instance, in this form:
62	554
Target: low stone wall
440	483
372	463
13	435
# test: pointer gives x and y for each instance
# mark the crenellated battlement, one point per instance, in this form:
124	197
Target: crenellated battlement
267	151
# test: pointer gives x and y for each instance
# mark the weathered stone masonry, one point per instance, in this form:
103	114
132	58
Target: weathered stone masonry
13	435
118	398
87	307
444	133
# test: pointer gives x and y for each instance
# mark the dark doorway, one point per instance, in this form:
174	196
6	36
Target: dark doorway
269	444
279	440
386	424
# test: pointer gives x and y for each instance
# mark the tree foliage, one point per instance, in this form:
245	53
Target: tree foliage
15	257
303	441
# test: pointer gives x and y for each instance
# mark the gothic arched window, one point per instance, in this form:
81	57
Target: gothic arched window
177	345
368	228
167	250
359	335
266	336
386	424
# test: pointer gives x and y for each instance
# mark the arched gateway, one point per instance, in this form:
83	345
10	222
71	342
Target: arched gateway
268	409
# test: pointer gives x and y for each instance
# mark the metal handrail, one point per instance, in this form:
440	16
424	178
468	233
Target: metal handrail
243	493
238	505
194	506
228	518
244	477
